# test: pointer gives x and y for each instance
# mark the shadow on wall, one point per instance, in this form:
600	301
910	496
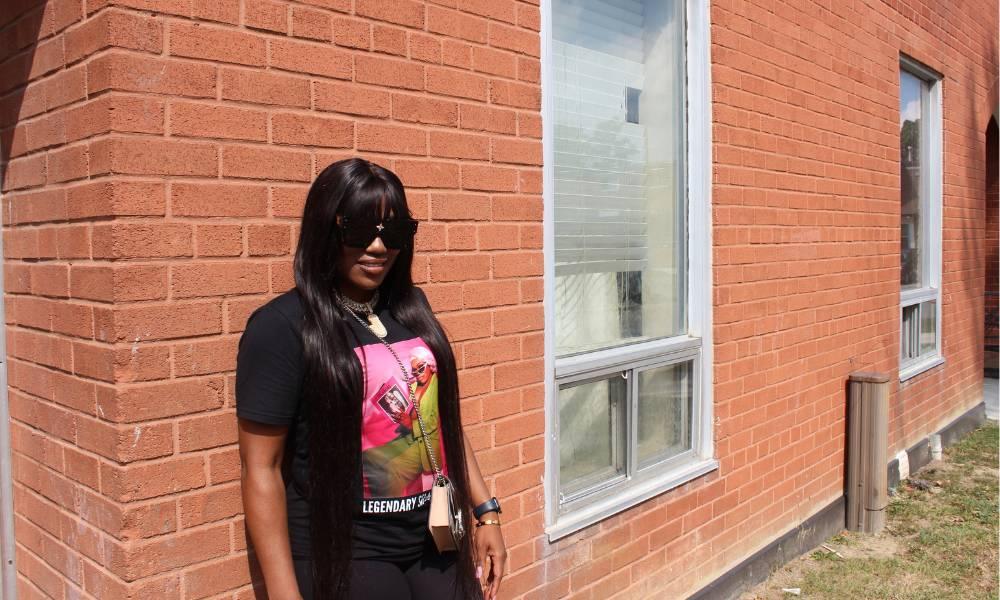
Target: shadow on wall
21	24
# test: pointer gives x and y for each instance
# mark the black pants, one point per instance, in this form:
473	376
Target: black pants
431	576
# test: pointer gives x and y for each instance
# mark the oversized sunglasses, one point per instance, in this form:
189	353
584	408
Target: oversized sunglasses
396	234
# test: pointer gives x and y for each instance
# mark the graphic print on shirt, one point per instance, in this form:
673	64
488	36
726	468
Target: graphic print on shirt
398	474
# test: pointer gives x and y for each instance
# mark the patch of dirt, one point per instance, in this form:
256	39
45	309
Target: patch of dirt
853	545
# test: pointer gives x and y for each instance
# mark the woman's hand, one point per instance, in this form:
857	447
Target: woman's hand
491	557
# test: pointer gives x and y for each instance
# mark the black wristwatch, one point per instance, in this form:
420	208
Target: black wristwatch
491	505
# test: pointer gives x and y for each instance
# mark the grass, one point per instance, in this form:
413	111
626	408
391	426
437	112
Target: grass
939	543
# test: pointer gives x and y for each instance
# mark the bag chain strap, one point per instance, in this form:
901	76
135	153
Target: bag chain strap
439	477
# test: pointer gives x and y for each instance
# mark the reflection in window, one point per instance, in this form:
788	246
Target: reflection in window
911	93
619	205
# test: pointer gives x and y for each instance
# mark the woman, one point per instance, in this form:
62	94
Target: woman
347	398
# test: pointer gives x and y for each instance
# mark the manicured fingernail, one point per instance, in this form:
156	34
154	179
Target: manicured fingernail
479	572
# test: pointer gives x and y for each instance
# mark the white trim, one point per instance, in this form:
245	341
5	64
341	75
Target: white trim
551	477
695	346
931	214
923	364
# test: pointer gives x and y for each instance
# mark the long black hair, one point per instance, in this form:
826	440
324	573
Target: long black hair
334	385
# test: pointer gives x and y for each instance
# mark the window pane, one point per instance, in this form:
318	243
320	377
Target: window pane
591	433
928	328
664	412
910	332
619	76
910	153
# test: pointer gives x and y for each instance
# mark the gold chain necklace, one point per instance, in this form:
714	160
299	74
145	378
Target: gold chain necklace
368	310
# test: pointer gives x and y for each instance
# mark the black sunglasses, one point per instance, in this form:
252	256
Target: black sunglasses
396	234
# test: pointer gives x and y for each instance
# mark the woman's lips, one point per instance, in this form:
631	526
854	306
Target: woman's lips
372	267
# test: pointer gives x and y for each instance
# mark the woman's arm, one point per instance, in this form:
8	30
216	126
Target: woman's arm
488	539
261	450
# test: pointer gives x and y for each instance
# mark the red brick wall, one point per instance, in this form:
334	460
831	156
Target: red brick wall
159	153
159	158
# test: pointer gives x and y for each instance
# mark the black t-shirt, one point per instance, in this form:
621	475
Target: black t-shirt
391	517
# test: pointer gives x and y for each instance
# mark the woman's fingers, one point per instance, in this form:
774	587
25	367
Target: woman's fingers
498	562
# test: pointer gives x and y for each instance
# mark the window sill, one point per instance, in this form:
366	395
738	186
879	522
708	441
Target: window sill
911	371
578	519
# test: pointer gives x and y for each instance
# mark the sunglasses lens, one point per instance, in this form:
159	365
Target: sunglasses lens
395	234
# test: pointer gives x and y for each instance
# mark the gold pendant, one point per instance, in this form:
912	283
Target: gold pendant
377	327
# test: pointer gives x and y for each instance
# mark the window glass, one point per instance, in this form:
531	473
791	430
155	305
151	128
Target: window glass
664	416
591	433
910	154
928	327
620	219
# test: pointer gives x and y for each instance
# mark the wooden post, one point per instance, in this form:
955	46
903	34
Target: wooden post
867	450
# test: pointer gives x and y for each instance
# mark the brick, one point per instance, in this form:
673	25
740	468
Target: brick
513	38
391	138
455	24
133	73
116	198
24	173
420	109
193	40
67	164
517	264
179	319
459	267
266	15
456	53
389	40
223	11
207	431
401	12
66	87
307	57
491	351
36	206
205	357
449	82
494	62
307	130
114	29
518	428
264	88
425	48
488	178
214	578
352	33
136	561
140	240
218	200
389	72
459	145
219	240
268	240
467	325
519	319
224	466
288	201
351	99
144	156
114	113
529	70
218	279
427	174
517	208
188	119
482	118
255	162
140	402
519	95
462	207
312	24
522	152
126	444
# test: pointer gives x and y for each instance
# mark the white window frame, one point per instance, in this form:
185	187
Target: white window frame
640	484
931	182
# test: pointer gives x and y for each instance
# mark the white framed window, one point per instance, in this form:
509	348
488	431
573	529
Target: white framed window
920	163
627	181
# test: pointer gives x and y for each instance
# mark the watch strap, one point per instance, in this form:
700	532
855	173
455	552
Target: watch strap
490	505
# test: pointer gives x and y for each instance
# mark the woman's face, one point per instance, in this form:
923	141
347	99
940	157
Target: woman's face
362	270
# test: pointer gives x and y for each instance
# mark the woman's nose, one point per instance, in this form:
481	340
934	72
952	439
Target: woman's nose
377	246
